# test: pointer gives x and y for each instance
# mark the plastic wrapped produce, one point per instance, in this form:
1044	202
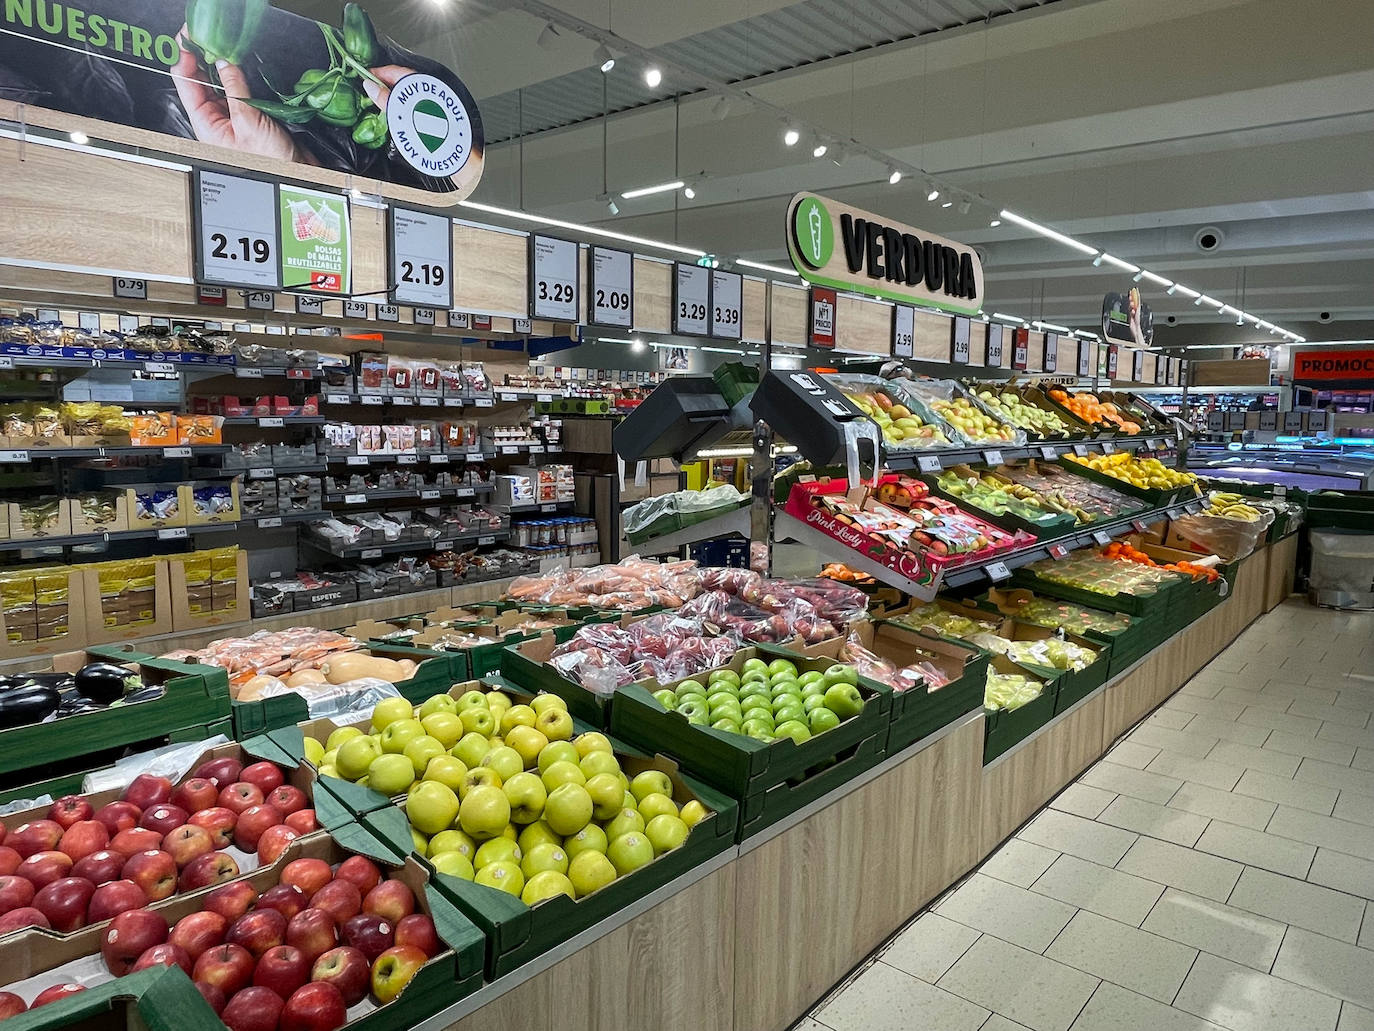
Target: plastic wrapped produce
903	678
631	584
905	421
1010	691
668	512
969	420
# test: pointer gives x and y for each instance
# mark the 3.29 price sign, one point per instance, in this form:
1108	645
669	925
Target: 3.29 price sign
421	258
236	231
691	300
553	279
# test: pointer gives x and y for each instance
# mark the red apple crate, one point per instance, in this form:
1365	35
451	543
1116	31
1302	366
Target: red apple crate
174	1003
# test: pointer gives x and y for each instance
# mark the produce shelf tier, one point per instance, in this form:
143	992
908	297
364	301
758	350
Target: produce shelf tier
167	533
400	547
926	461
734	523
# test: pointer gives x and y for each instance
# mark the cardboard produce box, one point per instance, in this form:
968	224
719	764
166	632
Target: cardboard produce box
39	519
101	511
125	600
1003	729
156	507
42	610
208	588
211	504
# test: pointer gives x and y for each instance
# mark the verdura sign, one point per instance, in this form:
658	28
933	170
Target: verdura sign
835	245
1308	365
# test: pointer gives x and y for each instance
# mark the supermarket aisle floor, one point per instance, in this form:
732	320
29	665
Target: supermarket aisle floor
1214	870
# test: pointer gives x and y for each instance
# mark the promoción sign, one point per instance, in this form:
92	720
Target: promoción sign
1333	365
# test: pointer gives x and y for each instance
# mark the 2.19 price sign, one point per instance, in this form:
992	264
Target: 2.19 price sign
236	231
421	258
553	279
612	286
727	291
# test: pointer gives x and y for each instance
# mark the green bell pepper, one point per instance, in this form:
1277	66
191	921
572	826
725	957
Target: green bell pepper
359	37
224	29
335	102
370	132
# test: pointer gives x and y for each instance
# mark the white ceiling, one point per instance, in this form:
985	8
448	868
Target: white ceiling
1130	124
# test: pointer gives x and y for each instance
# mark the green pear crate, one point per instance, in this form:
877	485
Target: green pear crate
517	933
1003	729
192	696
129	1003
1072	685
1158	607
1156	496
1128	636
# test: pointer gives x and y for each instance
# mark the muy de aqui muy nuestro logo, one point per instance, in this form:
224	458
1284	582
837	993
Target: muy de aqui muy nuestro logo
429	125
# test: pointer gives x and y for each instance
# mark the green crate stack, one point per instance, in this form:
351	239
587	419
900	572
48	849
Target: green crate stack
1002	730
1127	646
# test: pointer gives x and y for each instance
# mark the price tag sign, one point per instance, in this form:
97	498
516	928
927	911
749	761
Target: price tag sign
727	298
355	309
270	523
442	459
176	452
356	460
88	321
928	463
553	279
1292	422
996	334
371	399
164	368
1316	421
428	402
903	331
484	402
355	499
1058	550
274	422
370	553
128	324
960	331
548	508
1137	366
1050	356
459	320
1085	358
509	449
309	305
464	492
337	399
1049	454
407	459
1108	448
262	474
429	495
546	399
172	533
612	285
247	372
1235	420
507	396
1102	537
1111	361
691	300
132	289
1081	450
420	258
1161	369
997	571
388	313
1280	491
14	456
483	541
523	326
260	300
236	231
423	316
1020	353
992	457
49	315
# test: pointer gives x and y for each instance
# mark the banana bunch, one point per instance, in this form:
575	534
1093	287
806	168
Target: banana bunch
1231	506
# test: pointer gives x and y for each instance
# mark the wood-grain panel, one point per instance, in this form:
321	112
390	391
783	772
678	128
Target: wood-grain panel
753	317
1280	566
1068	356
978	342
653	296
791	321
1035	352
931	337
490	270
863	325
1147	374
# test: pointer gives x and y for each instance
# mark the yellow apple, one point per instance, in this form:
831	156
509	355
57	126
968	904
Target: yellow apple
478	720
505	876
436	704
356	755
546	885
399	733
656	805
544	857
526	795
485	812
649	782
555	724
497	850
599	762
589	871
517	716
388	711
665	833
538	833
445	727
452	841
693	813
528	742
419	844
390	774
568	809
314	751
421	750
557	751
563	772
455	864
470	748
626	821
544	702
590	838
591	742
432	806
505	761
447	771
608	797
478	777
339	736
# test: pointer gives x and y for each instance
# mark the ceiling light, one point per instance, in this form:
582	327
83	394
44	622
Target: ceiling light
1006	318
818	151
1240	318
721	107
612	206
934	194
637	345
547	35
1185	291
645	191
995	223
790	137
1138	277
1204	299
964	205
1051	327
1112	259
652	77
1046	231
765	267
1200	299
1157	279
80	138
689	193
894	177
947	204
577	227
1097	261
603	57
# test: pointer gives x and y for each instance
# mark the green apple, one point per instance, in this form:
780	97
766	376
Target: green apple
666	699
723	676
498	700
665	833
473	699
750	665
755	699
656	805
517	715
453	841
546	884
694	709
599	762
843	699
626	820
546	856
356	755
438	703
325	769
650	781
811	703
629	852
526	795
693	813
558	751
815	689
730	726
471	748
554	723
787	712
813	676
590	742
528	742
563	772
505	761
784	687
505	876
537	833
444	727
719	696
497	850
753	676
795	729
478	720
388	711
455	864
544	702
590	870
419	843
421	750
390	774
762	733
762	711
319	758
339	736
608	797
590	838
479	777
691	689
840	674
760	729
568	808
821	720
432	807
484	812
400	733
782	666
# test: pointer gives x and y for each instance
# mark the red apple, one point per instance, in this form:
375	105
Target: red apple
186	843
9	860
35	836
283	969
119	816
133	840
286	899
310	875
258	931
252	822
340	899
55	994
369	934
18	919
418	931
220	772
196	794
147	790
15	892
361	871
129	936
302	821
240	796
64	902
228	967
267	776
163	818
230	900
287	799
82	838
165	955
42	868
253	1009
317	1006
391	900
198	932
347	970
11	1005
99	867
393	970
314	932
212	995
218	821
274	842
70	809
154	871
112	899
211	868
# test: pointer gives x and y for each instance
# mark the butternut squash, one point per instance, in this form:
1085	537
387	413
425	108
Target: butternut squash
340	669
303	677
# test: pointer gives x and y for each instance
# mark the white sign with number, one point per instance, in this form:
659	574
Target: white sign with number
994	351
421	258
132	289
553	279
691	300
236	231
961	329
612	286
1050	362
1085	358
903	331
727	297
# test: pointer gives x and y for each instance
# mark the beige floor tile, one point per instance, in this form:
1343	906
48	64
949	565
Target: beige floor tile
1023	986
1201	706
1085	839
1203	771
1224	805
1354	1018
1312	797
1354	698
1354	807
1358	718
1254	699
1314	771
1351	838
1250	757
1124	780
1170	719
1311	747
1113	1008
1163	822
884	998
1135	754
1082	800
997	1022
1181	741
1255	848
1182	868
1350	874
1228	730
1294	691
1222	930
1346	735
1299	903
1364	759
929	947
1013	914
1248	1000
1331	967
1199	688
1124	955
1257	717
1366	939
811	1024
1019	862
1111	893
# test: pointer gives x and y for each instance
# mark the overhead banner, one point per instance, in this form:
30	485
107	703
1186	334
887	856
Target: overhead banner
1127	319
1333	365
241	76
835	245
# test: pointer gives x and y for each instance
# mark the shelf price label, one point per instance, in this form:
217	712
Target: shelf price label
548	508
459	320
1316	421
407	459
1050	357
421	259
355	460
1108	448
992	457
370	553
1102	538
172	533
89	321
176	452
270	523
236	231
13	456
1139	525
1269	421
997	571
691	300
1020	348
247	372
928	463
423	316
388	313
553	279
903	331
1216	421
355	309
612	286
1081	450
260	300
1137	366
429	495
1292	422
309	305
355	499
1049	454
727	292
1058	550
961	330
274	422
484	541
1085	358
132	289
996	334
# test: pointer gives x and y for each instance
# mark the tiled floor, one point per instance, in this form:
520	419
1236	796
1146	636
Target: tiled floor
1214	870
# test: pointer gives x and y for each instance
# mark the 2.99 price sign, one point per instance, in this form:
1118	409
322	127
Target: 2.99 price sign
236	231
612	287
553	279
421	258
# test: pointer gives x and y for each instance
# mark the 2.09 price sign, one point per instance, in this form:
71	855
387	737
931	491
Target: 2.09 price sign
236	231
612	287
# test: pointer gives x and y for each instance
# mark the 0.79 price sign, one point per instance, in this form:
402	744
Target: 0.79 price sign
421	256
236	231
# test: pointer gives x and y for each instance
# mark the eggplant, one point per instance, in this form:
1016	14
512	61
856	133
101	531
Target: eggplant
59	681
105	682
23	706
144	694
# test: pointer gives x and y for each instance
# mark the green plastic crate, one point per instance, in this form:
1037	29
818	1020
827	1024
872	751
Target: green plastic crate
1003	730
1156	497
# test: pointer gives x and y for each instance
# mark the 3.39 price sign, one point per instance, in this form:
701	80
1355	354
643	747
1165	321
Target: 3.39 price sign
421	258
236	231
727	303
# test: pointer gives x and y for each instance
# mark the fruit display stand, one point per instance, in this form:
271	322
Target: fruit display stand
1128	636
131	1003
1157	497
987	496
